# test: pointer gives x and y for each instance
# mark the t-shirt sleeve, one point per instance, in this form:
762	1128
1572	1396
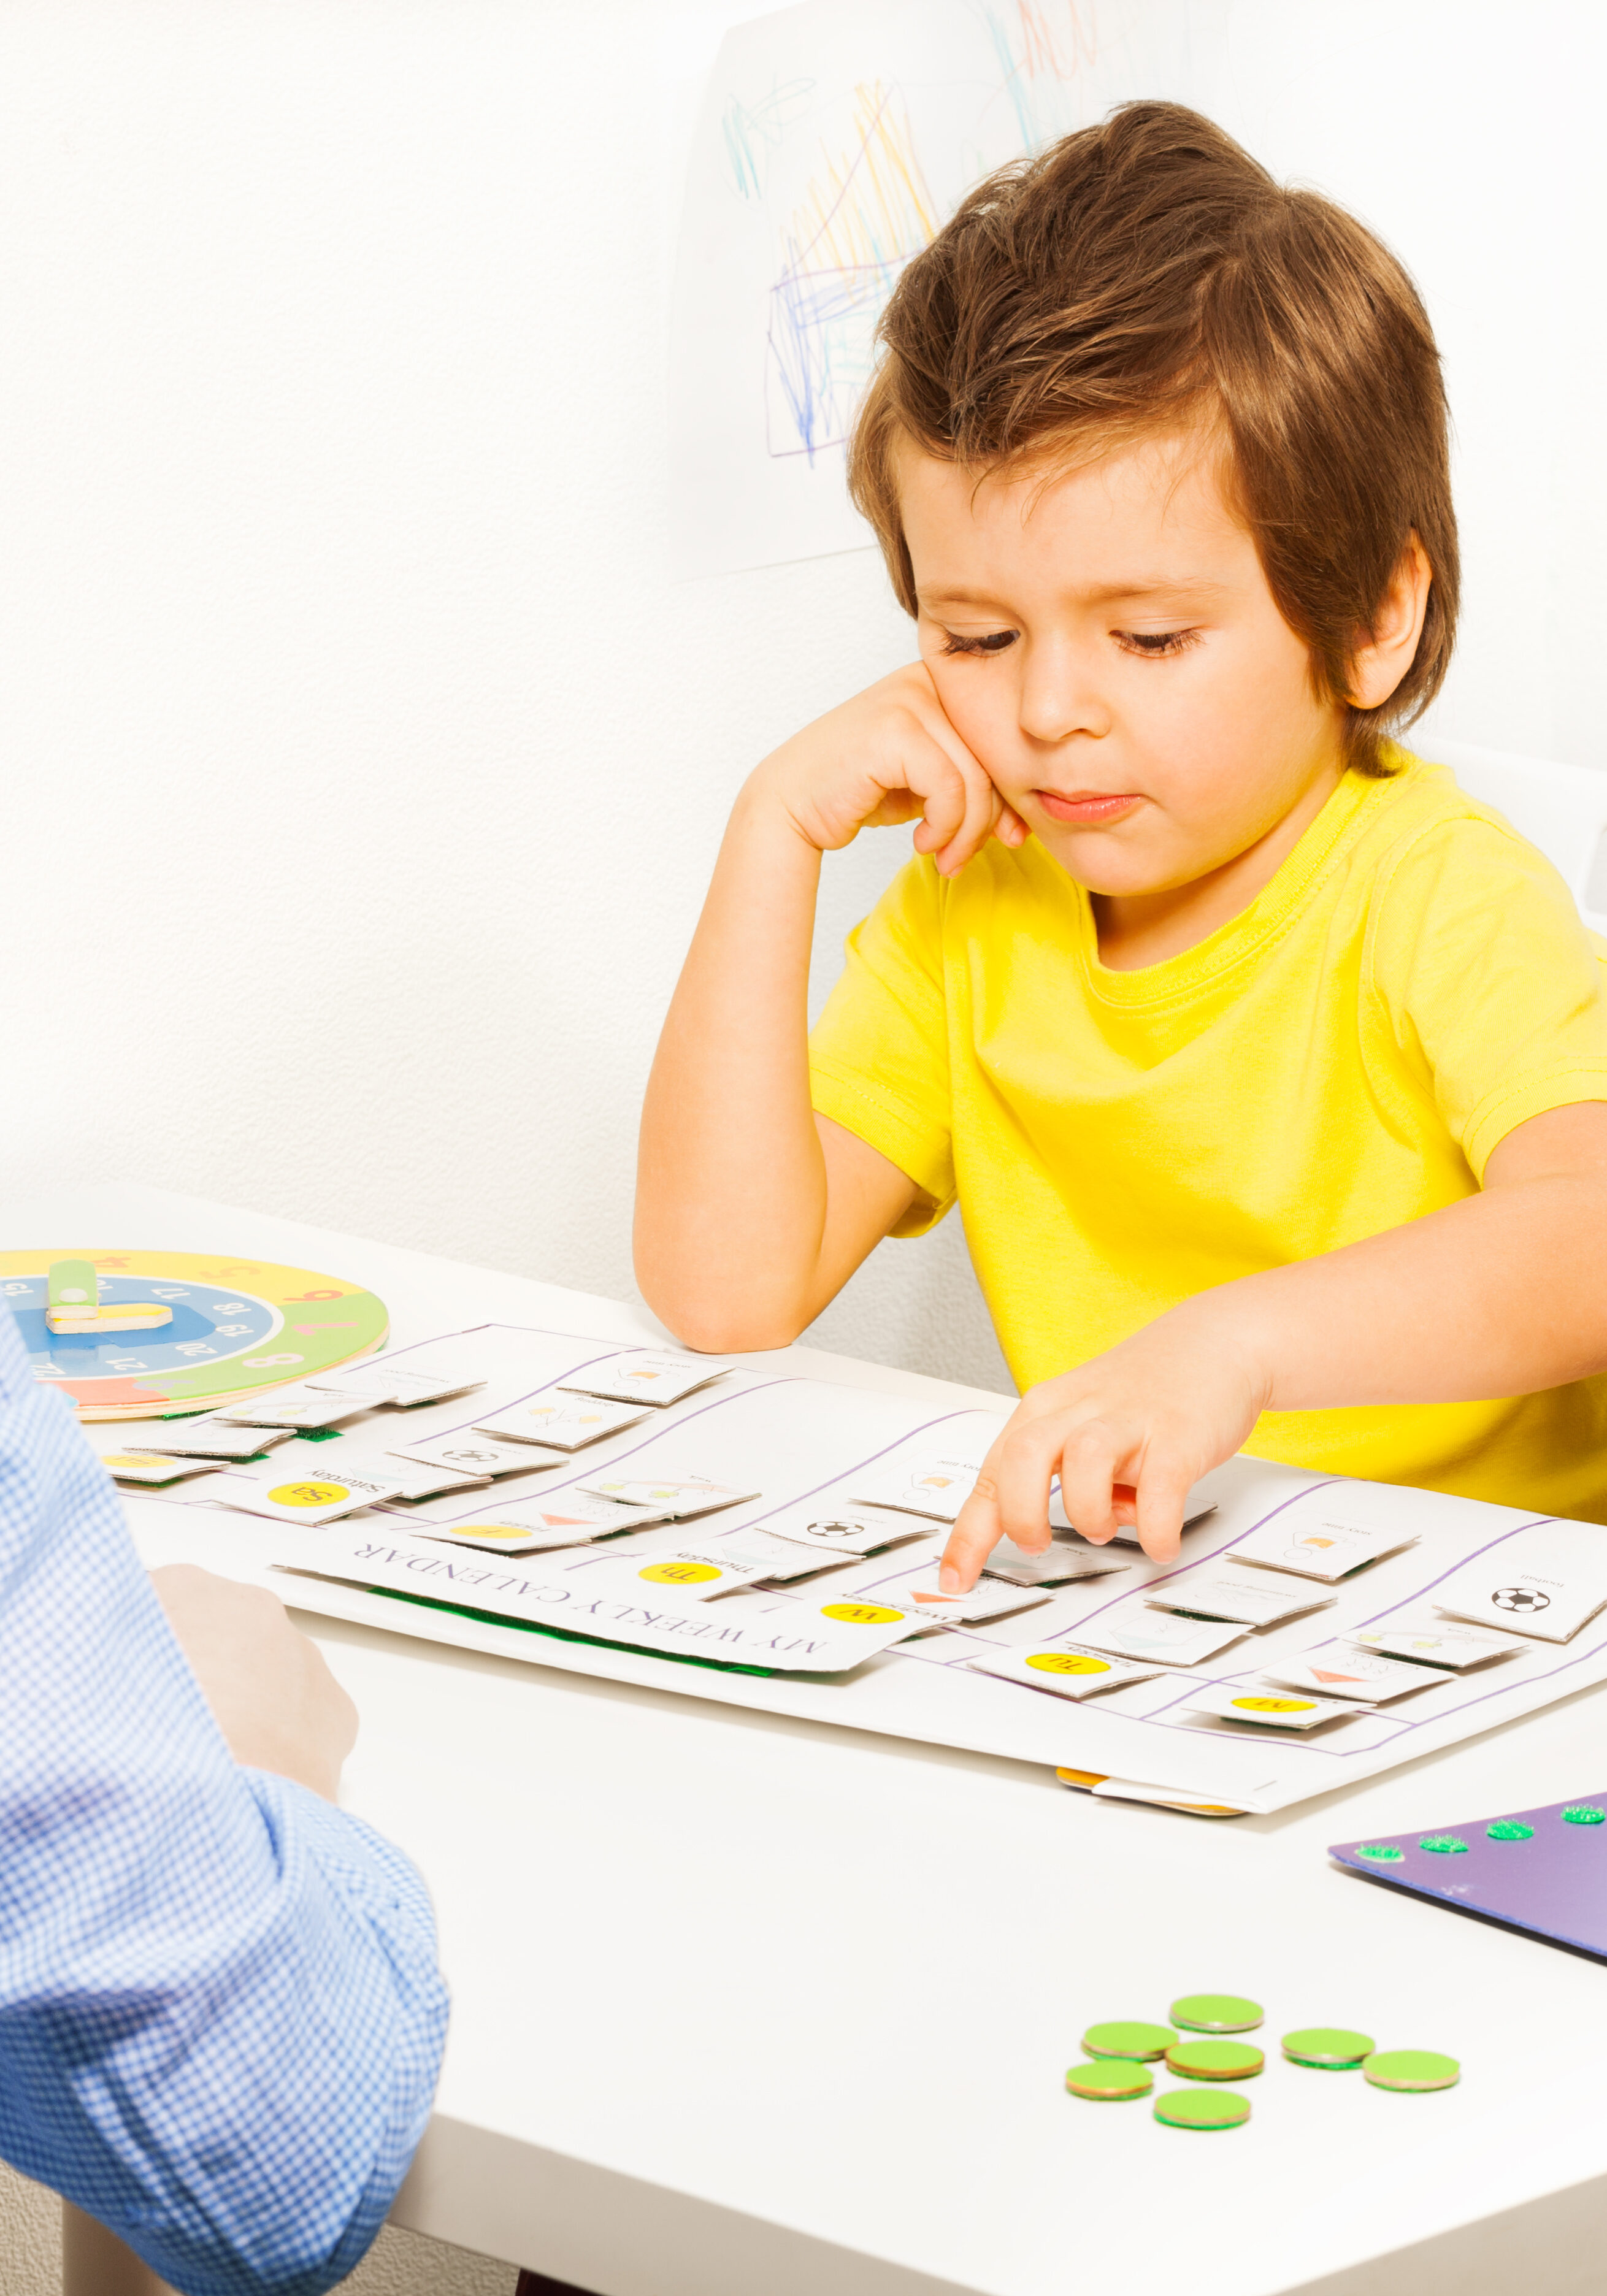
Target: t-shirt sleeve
879	1053
1485	974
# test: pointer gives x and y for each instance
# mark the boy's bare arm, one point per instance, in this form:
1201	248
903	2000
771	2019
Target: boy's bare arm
751	1212
1500	1294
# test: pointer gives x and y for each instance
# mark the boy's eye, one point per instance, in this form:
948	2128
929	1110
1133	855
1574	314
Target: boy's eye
1156	643
994	642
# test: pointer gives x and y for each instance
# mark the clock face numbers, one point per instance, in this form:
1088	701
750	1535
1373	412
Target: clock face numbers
208	1324
234	1327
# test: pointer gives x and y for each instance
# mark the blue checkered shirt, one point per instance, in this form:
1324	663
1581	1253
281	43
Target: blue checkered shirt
220	2014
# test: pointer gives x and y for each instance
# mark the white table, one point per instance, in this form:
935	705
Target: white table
746	2005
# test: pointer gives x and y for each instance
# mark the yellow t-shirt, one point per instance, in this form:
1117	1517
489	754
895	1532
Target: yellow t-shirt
1338	1059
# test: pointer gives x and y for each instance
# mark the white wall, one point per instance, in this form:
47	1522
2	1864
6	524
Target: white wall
363	763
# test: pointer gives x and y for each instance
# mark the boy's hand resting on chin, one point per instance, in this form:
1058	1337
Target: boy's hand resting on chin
889	755
1127	1434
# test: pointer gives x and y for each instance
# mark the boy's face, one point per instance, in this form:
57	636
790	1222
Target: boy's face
1106	644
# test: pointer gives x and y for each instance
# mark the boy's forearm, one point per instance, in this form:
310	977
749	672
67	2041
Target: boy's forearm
731	1194
1498	1295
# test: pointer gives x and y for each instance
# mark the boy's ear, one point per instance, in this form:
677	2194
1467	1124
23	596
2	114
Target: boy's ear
1385	654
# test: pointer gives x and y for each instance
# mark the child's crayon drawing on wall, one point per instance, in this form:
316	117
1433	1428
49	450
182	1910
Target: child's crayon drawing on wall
834	139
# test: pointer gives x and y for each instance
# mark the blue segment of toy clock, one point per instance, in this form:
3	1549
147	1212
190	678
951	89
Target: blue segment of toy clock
209	1325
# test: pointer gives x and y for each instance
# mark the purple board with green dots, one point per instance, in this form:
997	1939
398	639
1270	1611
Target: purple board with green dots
1541	1871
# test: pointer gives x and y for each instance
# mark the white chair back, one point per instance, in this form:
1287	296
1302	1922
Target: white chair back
1561	808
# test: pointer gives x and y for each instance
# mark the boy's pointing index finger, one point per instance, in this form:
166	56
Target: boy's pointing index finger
975	1533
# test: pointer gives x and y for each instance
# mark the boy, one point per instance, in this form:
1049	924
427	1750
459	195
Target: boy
1268	1071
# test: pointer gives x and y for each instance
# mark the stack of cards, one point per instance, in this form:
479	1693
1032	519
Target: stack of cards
1273	1710
564	1423
307	1499
573	1520
1058	1566
935	1487
1235	1595
854	1532
379	1381
673	1498
1437	1643
1528	1587
1160	1635
475	1458
695	1572
1063	1670
295	1408
1334	1671
987	1599
645	1376
413	1481
1330	1551
213	1439
150	1468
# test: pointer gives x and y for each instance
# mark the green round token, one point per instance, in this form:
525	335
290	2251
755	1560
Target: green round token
1110	2078
1583	1813
1411	2070
1141	2043
1510	1829
1445	1844
1212	2061
1380	1853
1329	2048
1201	2107
1216	2012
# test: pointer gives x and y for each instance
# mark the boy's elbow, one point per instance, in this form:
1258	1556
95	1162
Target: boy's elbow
711	1322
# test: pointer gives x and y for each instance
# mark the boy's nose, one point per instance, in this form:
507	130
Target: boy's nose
1059	698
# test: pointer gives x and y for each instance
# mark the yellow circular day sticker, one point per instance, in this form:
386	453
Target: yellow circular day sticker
116	1459
861	1614
1275	1705
308	1494
487	1530
680	1574
1068	1662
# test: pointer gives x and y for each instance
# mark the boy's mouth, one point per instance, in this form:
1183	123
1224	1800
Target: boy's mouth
1087	807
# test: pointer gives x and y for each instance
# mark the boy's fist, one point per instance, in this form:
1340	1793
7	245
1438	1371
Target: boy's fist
888	756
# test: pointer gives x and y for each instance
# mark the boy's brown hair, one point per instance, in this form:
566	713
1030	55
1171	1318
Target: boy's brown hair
1148	274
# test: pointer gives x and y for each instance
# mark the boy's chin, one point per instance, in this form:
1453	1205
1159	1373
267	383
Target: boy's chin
1087	858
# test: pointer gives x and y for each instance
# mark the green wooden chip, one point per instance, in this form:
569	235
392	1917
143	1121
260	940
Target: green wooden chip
1583	1813
1411	2070
1143	2043
1330	2048
1216	2013
1445	1844
1201	2107
1215	2060
1109	2079
1510	1829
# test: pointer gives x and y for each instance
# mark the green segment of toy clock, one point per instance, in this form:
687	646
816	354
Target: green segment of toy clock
1202	2108
1412	2071
1328	2048
1214	2061
1141	2043
1216	2012
1107	2080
